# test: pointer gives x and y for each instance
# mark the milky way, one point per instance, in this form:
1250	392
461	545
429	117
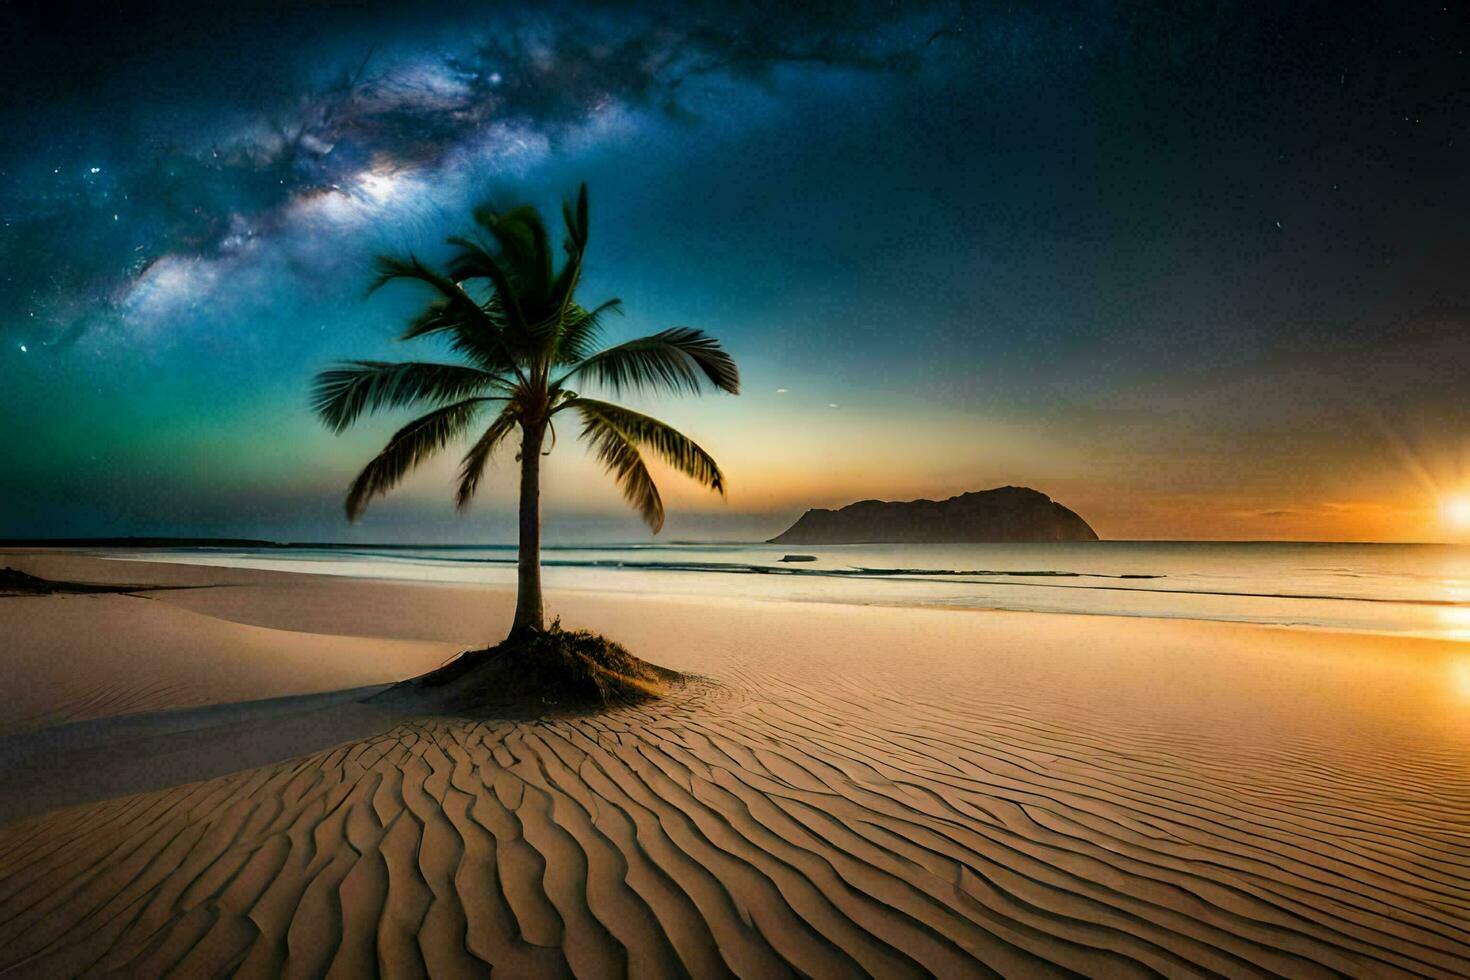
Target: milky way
396	115
1055	223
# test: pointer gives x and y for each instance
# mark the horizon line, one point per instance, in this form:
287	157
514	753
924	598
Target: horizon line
165	540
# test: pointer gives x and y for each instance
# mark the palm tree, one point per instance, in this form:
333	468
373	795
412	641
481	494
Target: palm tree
511	316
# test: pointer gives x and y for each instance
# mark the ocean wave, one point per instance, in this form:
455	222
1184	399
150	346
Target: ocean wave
1016	578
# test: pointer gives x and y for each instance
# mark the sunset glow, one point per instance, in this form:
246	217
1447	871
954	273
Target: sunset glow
1456	512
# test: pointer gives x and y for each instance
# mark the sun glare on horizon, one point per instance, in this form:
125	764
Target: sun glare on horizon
1455	512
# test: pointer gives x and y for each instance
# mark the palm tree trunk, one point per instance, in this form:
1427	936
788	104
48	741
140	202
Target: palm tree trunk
529	614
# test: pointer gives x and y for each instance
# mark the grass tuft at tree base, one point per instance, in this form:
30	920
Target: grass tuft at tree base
554	670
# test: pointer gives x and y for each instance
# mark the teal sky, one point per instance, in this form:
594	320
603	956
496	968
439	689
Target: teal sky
1195	275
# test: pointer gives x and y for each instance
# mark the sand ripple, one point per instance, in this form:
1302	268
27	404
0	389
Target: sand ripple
763	827
106	700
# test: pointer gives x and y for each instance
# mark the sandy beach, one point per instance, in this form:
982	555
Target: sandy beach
837	790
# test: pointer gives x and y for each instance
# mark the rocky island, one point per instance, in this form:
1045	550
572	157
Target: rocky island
1015	514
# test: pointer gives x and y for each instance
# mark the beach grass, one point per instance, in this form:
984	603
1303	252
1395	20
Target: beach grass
553	669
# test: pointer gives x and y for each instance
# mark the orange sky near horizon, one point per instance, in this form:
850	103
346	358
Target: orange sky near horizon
782	458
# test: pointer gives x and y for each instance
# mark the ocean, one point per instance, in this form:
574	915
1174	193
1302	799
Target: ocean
1401	589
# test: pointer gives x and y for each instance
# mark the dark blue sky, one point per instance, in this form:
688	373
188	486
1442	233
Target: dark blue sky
1196	273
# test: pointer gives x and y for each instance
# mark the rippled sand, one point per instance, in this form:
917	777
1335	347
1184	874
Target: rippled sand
842	790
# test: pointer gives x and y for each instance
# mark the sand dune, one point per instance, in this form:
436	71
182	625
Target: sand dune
844	791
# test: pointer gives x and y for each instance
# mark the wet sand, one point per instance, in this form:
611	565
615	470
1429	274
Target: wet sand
840	790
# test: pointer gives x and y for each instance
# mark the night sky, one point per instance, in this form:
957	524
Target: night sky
1199	273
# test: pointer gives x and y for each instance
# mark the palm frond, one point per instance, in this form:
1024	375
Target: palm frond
676	449
536	257
410	446
576	221
470	259
490	348
619	455
391	267
678	359
472	467
521	235
474	261
340	395
457	302
616	432
580	330
575	246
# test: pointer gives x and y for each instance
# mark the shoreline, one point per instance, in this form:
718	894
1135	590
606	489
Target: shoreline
1449	606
